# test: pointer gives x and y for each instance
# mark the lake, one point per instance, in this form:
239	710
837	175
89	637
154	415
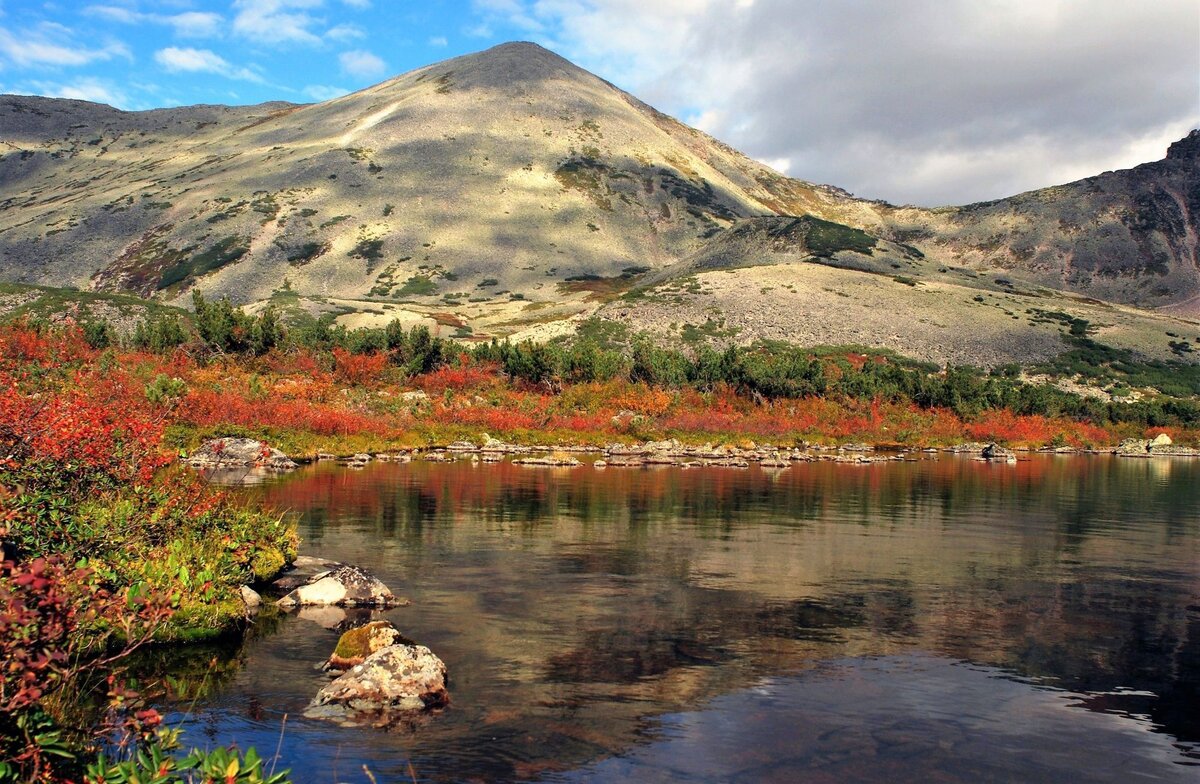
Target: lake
937	620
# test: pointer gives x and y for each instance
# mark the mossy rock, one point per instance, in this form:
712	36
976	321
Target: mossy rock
357	644
267	563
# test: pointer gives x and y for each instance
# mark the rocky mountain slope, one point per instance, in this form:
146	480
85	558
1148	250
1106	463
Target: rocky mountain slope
511	192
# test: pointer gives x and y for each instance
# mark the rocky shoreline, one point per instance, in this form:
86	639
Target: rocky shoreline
248	453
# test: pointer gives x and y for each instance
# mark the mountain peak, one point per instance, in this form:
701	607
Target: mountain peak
511	64
1187	148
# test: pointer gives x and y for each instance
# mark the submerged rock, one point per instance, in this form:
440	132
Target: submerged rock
397	678
344	586
548	460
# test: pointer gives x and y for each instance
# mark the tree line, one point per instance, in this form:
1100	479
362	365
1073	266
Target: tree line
765	371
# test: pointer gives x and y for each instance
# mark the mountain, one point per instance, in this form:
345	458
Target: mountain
511	192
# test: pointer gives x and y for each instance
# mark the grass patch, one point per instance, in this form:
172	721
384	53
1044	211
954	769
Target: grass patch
226	251
417	286
825	238
307	252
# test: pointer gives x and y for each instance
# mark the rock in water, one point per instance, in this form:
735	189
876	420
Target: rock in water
1162	439
397	678
357	644
344	586
999	453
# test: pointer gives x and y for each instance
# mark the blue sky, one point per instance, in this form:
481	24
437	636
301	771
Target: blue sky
915	101
140	54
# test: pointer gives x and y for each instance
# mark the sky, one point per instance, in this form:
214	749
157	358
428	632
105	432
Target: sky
912	101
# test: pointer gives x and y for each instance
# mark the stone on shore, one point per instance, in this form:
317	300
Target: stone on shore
251	599
239	452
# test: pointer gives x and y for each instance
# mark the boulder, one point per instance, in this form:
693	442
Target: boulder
1162	439
396	678
998	453
231	452
344	586
357	644
1134	447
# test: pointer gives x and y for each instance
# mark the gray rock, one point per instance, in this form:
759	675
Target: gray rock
251	598
398	678
342	586
228	452
999	454
1134	447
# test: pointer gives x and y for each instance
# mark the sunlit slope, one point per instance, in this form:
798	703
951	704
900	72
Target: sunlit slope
510	192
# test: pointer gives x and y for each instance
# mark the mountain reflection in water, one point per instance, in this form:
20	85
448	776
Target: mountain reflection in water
935	620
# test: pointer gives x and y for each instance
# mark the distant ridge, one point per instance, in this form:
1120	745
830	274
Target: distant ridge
490	188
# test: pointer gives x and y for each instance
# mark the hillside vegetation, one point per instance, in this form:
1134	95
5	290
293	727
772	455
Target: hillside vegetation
510	193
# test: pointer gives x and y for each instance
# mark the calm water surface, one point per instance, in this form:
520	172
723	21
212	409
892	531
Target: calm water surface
940	620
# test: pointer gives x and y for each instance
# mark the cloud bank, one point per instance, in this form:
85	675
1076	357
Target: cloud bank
920	101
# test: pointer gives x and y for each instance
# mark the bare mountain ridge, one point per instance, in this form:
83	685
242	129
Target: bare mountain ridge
504	191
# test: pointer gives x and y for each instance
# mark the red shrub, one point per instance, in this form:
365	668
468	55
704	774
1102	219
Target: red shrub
359	368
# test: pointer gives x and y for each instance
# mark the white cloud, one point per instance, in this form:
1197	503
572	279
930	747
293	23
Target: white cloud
358	3
276	21
195	24
188	60
324	92
53	45
189	24
929	101
438	40
361	64
345	32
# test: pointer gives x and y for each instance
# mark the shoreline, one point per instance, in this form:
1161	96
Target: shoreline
670	452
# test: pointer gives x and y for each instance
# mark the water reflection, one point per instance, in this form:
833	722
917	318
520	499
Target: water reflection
578	611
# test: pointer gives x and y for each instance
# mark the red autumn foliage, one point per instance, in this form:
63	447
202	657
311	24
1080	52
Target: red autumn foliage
358	368
464	376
